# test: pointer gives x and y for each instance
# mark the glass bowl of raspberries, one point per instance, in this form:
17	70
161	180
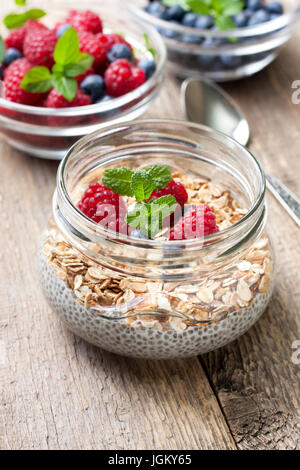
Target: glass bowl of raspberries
220	39
67	72
157	245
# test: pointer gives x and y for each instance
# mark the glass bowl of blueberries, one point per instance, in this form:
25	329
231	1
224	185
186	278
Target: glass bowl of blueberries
72	71
220	39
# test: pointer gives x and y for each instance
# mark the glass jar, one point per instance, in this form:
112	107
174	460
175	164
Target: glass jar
160	298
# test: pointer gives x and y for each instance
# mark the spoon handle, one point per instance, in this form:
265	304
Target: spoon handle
287	199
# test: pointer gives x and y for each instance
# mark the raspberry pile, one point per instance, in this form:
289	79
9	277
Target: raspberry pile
114	71
107	208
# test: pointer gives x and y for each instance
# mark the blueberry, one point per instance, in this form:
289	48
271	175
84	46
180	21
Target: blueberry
148	65
174	13
258	17
190	39
138	234
62	29
105	98
119	51
230	61
274	7
254	4
168	33
1	72
156	9
274	16
189	19
93	86
11	55
204	22
241	19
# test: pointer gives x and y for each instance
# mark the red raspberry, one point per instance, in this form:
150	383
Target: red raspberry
122	77
85	74
33	25
39	46
174	189
86	21
12	81
198	222
19	64
56	100
109	40
16	39
90	44
105	207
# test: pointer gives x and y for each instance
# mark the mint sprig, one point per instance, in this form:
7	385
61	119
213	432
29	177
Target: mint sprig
140	183
2	50
20	3
221	10
69	62
148	45
147	216
16	20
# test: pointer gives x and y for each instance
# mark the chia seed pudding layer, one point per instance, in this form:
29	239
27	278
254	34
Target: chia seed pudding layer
158	319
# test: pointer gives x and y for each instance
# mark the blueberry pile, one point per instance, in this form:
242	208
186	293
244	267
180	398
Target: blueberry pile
255	12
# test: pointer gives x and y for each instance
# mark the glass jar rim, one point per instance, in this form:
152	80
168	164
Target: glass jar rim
63	197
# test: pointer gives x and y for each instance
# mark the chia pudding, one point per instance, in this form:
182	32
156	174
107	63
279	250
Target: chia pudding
160	317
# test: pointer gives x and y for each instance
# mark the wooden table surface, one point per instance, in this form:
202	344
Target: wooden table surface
58	392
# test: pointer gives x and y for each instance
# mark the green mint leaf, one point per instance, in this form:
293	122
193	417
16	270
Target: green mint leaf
58	69
118	179
148	45
224	22
216	5
142	185
233	8
160	175
37	80
86	60
148	216
67	48
65	86
16	20
20	3
72	70
2	50
198	6
171	3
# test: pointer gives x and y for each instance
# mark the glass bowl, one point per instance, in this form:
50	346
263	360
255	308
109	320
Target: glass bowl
159	299
254	47
49	133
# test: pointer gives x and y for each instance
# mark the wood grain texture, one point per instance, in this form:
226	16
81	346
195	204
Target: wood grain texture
58	392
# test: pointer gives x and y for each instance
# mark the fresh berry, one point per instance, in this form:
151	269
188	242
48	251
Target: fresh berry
274	7
122	77
62	29
90	44
258	17
94	87
86	21
82	76
56	100
16	39
254	4
14	75
241	19
197	222
11	55
174	13
39	47
119	51
173	188
189	19
34	25
204	22
104	207
148	65
107	41
156	9
105	98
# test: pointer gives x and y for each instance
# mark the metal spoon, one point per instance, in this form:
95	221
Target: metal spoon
206	103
